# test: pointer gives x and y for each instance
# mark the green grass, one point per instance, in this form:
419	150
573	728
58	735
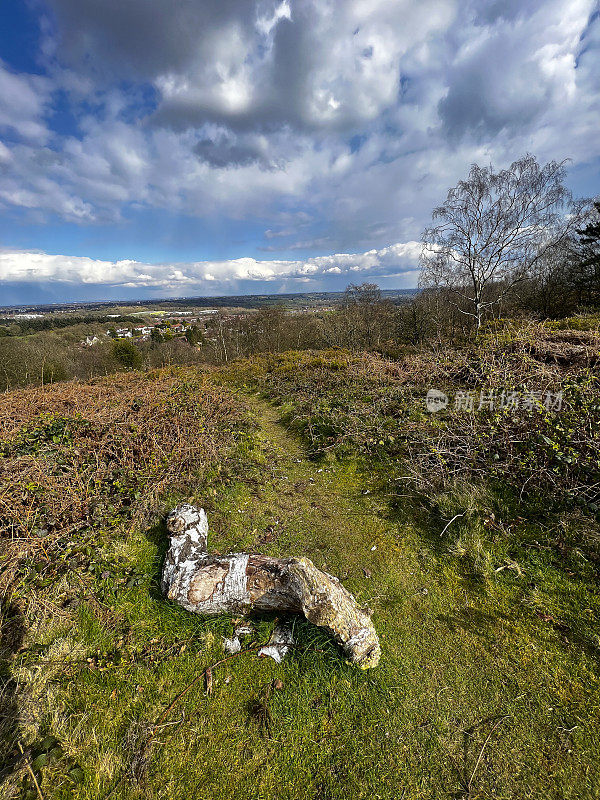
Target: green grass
580	322
487	687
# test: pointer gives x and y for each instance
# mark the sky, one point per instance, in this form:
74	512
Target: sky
158	148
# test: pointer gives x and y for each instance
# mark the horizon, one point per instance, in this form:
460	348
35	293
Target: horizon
191	299
168	149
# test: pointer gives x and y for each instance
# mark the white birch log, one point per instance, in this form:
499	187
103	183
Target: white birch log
240	582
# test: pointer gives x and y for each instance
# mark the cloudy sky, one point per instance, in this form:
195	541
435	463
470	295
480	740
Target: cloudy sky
182	147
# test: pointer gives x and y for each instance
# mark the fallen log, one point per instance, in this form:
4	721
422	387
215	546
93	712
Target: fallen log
236	583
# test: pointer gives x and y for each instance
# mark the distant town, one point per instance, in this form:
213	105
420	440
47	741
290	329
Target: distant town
301	301
165	319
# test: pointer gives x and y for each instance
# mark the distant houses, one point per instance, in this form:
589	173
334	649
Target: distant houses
168	327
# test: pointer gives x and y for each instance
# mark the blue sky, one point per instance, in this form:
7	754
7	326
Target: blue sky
155	148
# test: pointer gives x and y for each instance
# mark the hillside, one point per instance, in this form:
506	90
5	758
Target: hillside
471	534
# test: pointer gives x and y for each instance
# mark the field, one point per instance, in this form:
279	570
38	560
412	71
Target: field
472	536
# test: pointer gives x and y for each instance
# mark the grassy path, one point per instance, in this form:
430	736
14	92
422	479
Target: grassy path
475	696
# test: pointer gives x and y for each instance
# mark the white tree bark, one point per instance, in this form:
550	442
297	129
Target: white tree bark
240	582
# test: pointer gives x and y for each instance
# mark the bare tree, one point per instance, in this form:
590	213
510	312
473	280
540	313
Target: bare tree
494	227
364	319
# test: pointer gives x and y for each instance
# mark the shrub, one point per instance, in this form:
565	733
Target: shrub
373	408
127	354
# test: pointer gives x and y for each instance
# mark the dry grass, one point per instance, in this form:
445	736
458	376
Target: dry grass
368	405
77	454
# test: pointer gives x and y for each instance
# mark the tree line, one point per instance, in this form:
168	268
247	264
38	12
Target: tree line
11	326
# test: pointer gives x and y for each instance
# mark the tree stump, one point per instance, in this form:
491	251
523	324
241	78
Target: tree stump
240	582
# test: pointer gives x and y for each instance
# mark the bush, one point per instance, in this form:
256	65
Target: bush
134	438
373	409
127	355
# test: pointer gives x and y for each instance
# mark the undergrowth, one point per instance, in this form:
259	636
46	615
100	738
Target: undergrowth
532	464
84	468
471	535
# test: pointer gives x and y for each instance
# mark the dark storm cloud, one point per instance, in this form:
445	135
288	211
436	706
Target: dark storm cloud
190	48
280	86
227	153
251	65
143	37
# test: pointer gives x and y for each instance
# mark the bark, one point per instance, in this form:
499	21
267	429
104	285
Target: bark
240	582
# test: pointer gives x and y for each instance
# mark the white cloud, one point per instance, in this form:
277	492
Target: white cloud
23	102
29	267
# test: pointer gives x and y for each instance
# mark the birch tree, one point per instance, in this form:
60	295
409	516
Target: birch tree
492	230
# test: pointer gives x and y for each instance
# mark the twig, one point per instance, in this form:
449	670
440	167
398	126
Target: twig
489	736
456	516
31	772
198	677
205	672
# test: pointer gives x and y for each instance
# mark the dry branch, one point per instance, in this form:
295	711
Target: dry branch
240	582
